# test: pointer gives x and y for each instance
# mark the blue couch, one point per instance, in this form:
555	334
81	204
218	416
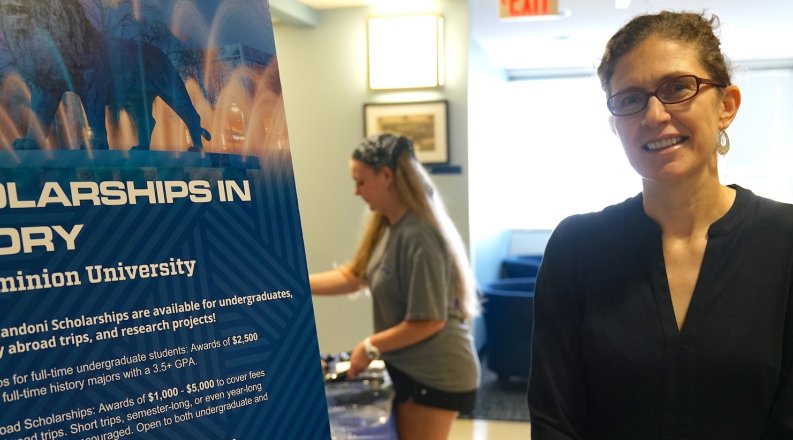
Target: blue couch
508	311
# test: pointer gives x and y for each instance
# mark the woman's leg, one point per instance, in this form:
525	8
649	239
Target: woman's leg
421	422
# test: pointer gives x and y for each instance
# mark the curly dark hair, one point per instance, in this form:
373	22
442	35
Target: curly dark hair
696	29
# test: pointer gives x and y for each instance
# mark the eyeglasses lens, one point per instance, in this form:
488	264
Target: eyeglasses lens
677	90
669	92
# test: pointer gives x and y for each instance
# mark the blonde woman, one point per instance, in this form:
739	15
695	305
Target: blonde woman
412	259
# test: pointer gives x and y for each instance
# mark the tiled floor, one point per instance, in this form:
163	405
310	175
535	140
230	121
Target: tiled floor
467	429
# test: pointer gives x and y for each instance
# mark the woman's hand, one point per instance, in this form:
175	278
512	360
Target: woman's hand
359	360
399	336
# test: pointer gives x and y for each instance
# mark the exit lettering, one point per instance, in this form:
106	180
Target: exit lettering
521	8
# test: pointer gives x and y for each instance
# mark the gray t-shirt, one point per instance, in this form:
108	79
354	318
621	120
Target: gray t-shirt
412	279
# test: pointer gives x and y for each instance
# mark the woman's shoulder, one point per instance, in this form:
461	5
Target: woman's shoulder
597	232
767	211
606	219
412	223
413	228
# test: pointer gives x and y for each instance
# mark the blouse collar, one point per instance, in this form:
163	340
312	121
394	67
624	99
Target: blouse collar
735	216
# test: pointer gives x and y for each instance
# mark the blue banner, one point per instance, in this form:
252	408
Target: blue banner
153	278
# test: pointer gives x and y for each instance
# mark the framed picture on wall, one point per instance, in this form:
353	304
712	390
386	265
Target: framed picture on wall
425	123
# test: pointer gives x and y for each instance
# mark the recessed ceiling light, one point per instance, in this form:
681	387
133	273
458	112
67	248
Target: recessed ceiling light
622	4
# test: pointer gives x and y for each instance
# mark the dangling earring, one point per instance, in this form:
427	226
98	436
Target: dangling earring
723	142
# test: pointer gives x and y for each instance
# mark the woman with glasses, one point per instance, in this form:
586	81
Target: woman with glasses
670	315
412	259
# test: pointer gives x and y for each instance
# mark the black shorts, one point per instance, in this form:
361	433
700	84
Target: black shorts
407	389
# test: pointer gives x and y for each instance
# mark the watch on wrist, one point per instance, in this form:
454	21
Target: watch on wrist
371	351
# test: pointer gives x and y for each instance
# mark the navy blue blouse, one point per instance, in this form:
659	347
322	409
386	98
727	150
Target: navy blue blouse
608	360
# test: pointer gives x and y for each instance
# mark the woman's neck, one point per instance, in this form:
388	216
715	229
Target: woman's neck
394	213
686	209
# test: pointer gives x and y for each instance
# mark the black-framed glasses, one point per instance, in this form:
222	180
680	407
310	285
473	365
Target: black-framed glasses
671	91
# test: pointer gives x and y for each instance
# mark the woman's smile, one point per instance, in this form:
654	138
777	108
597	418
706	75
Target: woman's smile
664	143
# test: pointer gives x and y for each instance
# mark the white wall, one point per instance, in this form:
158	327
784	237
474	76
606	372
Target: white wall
489	236
323	73
762	135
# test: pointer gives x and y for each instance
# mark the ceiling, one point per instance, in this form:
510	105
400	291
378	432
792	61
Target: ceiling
748	31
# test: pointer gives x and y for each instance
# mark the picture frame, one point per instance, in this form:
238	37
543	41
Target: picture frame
424	123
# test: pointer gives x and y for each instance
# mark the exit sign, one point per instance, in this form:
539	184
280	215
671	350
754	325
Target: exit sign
528	8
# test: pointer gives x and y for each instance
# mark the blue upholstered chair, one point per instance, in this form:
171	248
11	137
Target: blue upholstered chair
520	266
508	311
